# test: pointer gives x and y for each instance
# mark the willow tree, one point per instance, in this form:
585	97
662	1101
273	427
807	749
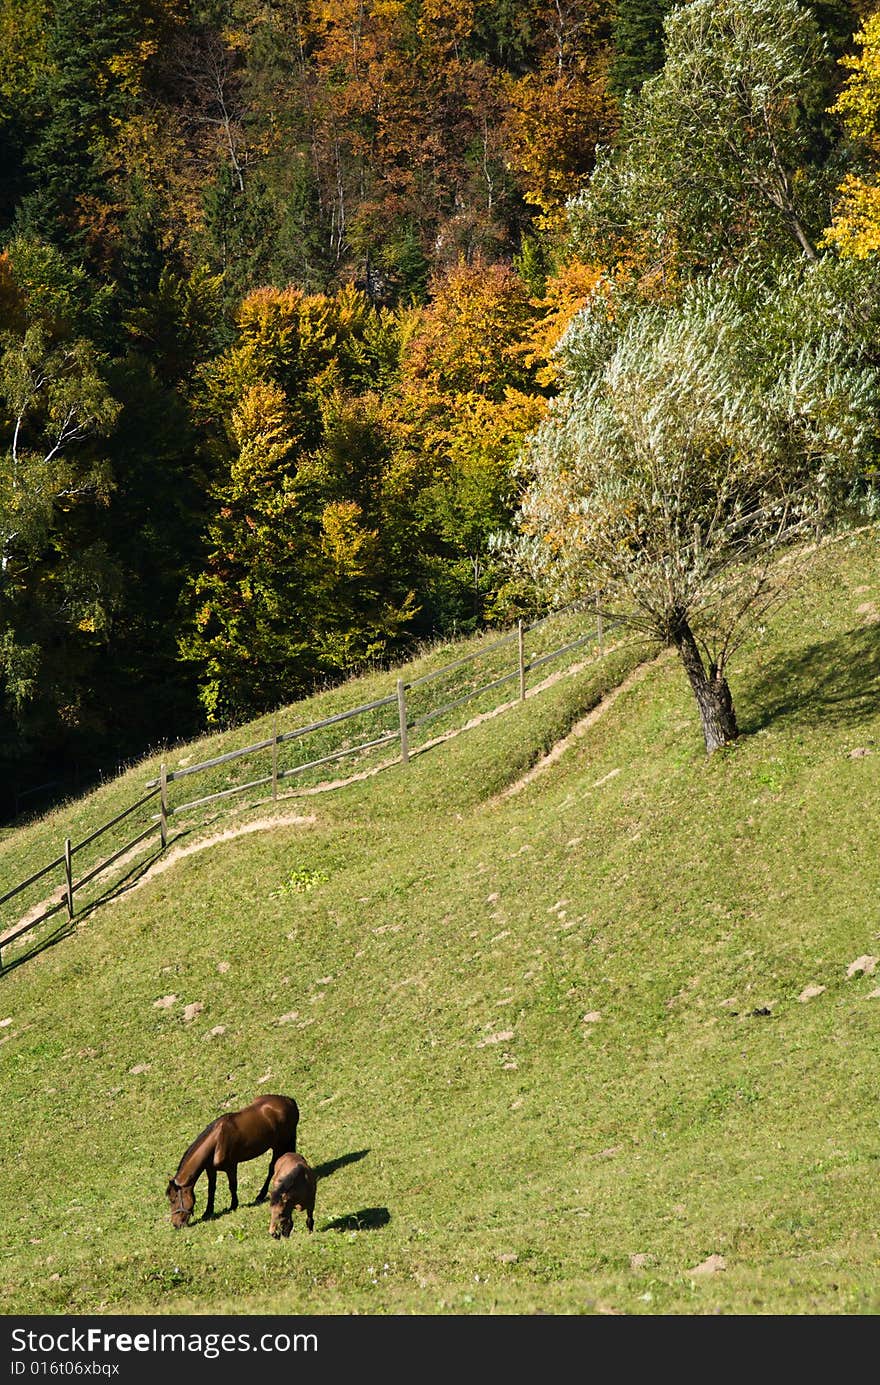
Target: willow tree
689	446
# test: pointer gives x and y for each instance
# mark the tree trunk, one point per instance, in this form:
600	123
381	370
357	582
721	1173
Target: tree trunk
717	716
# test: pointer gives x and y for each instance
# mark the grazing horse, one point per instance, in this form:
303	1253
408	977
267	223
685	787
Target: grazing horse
293	1187
268	1123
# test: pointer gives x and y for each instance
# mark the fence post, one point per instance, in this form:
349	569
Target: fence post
68	876
163	805
275	755
401	711
520	645
600	627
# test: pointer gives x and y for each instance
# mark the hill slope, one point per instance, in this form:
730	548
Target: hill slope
548	1047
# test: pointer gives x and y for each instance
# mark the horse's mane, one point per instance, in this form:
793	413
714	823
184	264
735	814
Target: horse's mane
196	1142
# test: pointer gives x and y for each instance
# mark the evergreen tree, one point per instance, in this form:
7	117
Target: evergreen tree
637	35
85	89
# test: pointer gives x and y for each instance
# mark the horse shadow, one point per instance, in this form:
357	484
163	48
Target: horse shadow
367	1219
215	1216
331	1165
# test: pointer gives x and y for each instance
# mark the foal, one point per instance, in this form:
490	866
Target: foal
268	1123
293	1187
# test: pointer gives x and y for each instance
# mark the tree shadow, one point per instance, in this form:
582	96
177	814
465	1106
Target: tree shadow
325	1170
832	682
367	1219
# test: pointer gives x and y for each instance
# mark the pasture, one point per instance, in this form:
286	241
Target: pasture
606	1044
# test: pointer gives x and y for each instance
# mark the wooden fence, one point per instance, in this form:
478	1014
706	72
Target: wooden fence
398	705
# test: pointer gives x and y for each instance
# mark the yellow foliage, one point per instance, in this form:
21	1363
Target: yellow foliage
128	67
262	412
24	25
553	123
855	227
349	547
566	293
470	336
265	311
859	101
491	433
444	24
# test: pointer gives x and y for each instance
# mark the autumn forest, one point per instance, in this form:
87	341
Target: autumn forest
304	306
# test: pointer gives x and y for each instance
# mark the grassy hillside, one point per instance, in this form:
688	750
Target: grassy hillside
454	669
486	1147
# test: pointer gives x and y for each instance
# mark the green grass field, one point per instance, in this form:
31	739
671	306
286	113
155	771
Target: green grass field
485	1147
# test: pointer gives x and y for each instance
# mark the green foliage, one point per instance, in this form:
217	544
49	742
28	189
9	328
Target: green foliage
94	56
181	323
59	585
532	264
638	43
301	881
717	157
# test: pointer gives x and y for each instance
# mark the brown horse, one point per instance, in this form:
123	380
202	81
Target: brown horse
268	1123
293	1187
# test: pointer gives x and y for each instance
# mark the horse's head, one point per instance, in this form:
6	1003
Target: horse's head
280	1216
182	1200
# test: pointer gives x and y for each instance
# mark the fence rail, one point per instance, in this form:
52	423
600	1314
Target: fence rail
405	721
32	879
126	812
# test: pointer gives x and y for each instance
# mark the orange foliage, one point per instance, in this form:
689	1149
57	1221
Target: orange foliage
470	337
553	125
567	292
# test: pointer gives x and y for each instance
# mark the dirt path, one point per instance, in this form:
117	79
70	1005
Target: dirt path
582	727
177	853
266	824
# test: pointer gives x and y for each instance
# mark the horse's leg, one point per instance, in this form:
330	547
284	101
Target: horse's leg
232	1175
212	1184
261	1195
